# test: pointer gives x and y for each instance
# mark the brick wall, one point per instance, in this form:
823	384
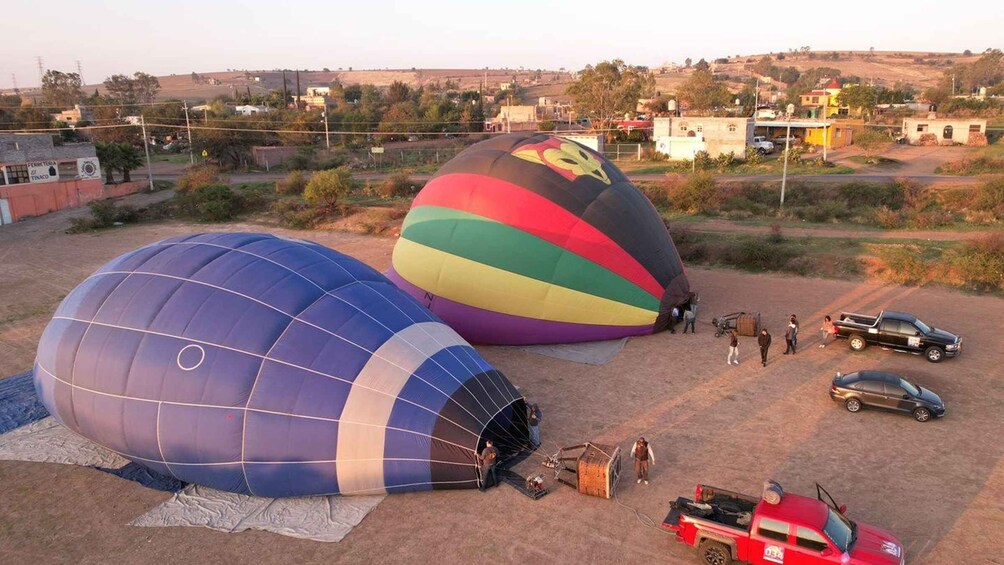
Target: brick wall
27	200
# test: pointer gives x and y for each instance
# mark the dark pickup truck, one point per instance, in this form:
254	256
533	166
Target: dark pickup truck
897	331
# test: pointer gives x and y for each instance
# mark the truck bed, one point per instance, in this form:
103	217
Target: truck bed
725	508
861	320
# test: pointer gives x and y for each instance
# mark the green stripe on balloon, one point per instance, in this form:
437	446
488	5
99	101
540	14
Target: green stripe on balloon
492	243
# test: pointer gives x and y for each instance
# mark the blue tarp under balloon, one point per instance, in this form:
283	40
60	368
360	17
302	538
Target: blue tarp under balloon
274	367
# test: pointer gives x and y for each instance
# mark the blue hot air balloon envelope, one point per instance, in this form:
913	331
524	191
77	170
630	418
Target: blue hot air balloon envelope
274	367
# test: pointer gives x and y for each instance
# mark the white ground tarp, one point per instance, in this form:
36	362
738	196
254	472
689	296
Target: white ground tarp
320	518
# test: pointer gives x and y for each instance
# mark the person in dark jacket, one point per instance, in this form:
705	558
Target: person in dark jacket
489	456
790	334
764	341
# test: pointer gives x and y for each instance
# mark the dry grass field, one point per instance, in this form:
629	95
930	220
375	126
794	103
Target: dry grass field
939	486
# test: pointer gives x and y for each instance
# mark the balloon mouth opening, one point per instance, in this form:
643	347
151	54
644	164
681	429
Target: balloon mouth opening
509	432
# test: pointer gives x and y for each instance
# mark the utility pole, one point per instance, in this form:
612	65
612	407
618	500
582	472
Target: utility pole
188	126
146	146
80	72
41	71
787	146
297	89
285	92
327	136
13	79
756	98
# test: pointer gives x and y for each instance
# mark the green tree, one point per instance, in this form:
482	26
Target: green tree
129	159
608	89
61	89
762	67
327	188
702	92
688	62
109	155
401	117
859	98
702	65
398	92
141	88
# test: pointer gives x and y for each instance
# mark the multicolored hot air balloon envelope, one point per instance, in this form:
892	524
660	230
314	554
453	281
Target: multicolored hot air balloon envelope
527	239
274	367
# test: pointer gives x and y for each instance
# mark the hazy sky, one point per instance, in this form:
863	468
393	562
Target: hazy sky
181	36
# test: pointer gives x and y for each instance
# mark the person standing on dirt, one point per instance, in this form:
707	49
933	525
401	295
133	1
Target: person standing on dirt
827	330
763	340
489	456
689	316
642	453
673	319
789	337
733	358
533	423
794	339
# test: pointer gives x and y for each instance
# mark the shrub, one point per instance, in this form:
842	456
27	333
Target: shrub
303	159
903	264
888	219
756	254
546	125
293	184
199	176
872	140
928	139
295	214
328	188
978	265
104	214
725	160
753	156
824	211
989	196
703	161
213	203
398	185
742	203
698	193
872	194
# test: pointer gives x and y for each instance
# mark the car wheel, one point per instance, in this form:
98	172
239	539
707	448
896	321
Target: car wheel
934	354
853	405
762	151
857	343
922	414
714	553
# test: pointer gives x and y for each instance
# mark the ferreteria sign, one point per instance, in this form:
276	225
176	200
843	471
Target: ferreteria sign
43	171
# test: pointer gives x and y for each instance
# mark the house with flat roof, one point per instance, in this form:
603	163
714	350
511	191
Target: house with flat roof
683	137
944	131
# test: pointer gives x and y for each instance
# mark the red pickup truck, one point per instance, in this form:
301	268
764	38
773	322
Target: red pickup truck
796	530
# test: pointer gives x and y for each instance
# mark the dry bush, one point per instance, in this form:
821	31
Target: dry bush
977	265
293	184
902	264
928	139
888	219
977	139
398	185
699	193
199	176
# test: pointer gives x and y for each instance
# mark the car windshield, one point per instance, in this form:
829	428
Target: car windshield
909	387
924	328
840	530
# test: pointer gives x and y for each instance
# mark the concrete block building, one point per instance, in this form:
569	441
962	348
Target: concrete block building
946	130
684	137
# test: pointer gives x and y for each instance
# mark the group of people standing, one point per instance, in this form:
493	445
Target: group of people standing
790	339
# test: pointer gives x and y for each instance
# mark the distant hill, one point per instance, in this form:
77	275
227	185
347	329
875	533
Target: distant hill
212	84
882	68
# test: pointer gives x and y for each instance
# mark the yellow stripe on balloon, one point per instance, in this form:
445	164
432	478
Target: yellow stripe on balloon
483	286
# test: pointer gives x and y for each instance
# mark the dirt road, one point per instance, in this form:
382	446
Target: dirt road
939	486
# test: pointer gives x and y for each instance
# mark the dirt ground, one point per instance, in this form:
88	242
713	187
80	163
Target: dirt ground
939	486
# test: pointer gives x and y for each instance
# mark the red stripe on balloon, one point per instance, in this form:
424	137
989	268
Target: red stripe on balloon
520	208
